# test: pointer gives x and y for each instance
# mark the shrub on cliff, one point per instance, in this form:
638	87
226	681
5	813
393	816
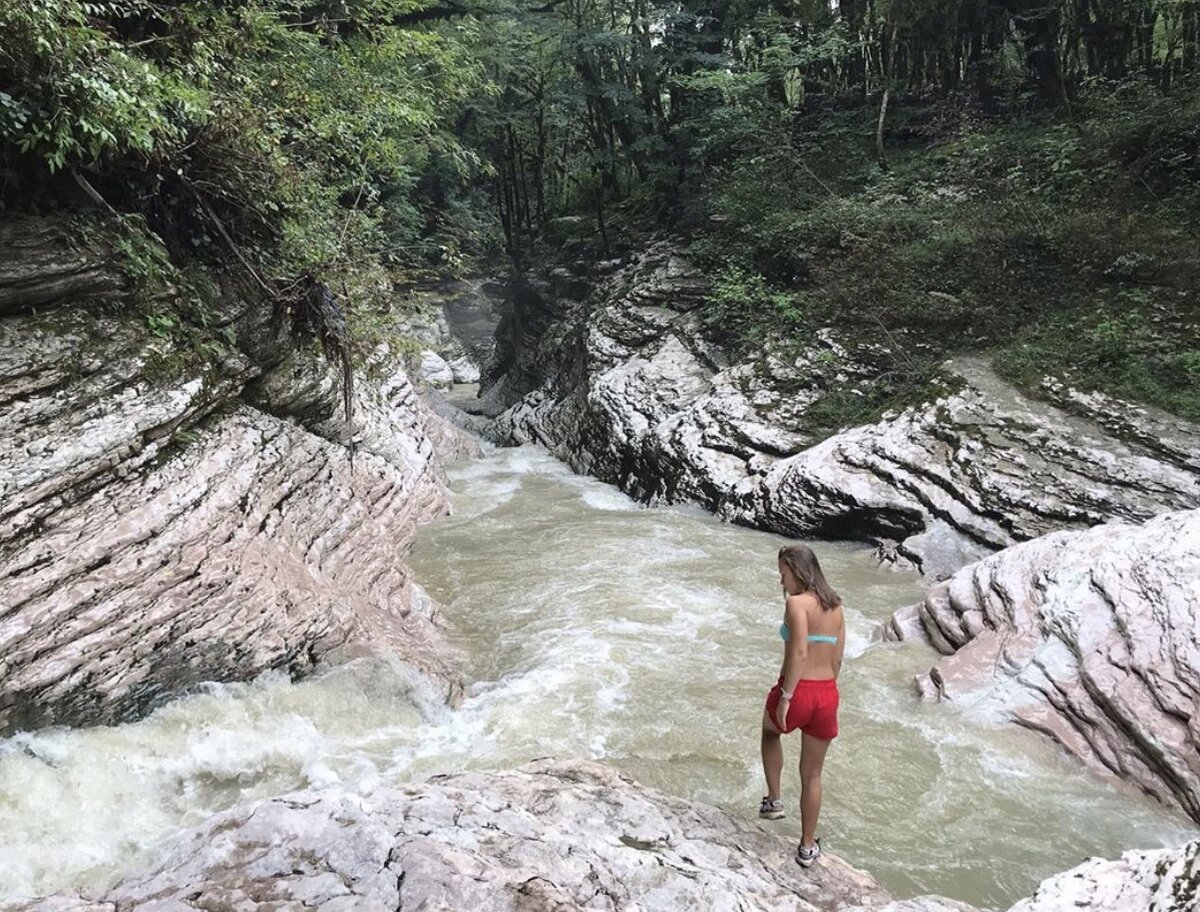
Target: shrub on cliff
293	140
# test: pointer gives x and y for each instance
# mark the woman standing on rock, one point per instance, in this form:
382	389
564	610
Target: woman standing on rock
806	695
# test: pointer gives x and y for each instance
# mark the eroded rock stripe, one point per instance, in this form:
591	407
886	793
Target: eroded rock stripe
1091	637
163	523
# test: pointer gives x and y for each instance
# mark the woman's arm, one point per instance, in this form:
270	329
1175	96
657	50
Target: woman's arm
796	653
841	647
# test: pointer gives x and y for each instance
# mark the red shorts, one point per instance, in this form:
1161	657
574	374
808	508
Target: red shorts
813	708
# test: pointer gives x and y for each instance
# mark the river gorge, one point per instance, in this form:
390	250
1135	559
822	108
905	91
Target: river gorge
250	659
406	407
577	611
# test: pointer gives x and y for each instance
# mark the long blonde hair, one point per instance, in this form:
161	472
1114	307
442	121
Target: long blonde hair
804	565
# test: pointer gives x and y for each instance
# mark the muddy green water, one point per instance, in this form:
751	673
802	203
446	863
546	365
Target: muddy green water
592	627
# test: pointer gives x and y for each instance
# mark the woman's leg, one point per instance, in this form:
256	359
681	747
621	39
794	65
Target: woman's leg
812	759
772	756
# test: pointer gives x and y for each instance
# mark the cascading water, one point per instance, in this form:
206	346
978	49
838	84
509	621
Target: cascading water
591	626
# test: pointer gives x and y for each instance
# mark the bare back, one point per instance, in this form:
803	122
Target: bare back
824	633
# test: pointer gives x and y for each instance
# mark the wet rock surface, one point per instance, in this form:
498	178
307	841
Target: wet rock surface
1090	637
624	384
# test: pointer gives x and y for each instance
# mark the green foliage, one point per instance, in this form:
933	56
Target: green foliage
1042	181
1134	353
745	300
312	137
1043	238
143	258
81	97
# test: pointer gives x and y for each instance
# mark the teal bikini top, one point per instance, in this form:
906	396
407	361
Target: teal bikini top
785	634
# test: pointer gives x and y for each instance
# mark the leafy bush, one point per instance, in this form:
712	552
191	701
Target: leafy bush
293	139
78	96
1041	237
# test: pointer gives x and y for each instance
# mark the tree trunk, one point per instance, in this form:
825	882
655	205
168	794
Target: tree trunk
600	216
540	158
1040	36
1190	55
889	67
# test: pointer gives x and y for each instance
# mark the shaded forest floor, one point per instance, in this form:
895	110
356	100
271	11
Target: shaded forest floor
1065	246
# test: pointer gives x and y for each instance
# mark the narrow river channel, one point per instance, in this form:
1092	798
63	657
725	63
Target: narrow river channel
593	627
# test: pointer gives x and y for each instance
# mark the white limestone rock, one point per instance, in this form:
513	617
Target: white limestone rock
464	370
1164	880
625	385
552	835
435	370
157	531
1090	637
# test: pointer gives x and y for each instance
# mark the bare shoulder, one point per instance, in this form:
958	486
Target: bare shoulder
805	601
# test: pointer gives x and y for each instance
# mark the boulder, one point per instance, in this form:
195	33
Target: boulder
464	370
435	370
975	471
1091	637
454	323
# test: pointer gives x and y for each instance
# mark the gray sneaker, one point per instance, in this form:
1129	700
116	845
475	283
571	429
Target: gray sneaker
806	856
771	810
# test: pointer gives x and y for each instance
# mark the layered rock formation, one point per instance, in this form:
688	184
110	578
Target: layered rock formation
1092	637
454	324
625	385
167	518
552	836
42	267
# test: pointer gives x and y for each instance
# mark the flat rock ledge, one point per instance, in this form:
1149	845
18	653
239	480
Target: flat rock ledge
1090	637
551	836
623	383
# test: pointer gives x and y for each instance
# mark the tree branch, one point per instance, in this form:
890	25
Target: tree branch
220	226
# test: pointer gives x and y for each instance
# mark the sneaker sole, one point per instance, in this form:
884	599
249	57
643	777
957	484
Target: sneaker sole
772	815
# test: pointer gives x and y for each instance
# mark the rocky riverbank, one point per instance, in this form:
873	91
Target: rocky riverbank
171	517
624	383
1089	637
552	835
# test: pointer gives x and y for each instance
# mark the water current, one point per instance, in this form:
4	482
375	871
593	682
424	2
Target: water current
591	626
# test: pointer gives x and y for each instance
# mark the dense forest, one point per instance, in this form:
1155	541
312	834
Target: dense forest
1015	176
